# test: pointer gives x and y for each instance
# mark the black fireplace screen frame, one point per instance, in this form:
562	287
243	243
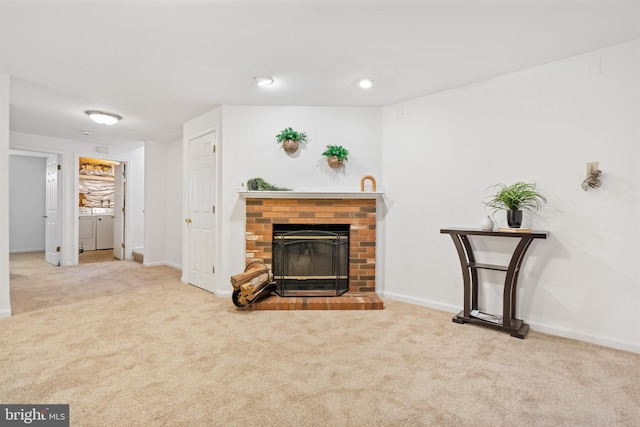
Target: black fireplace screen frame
327	245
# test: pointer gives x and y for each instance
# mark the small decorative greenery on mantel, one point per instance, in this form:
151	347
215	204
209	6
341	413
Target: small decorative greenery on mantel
290	139
259	184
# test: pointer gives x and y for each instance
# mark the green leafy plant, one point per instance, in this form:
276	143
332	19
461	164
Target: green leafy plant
291	134
259	184
517	196
336	150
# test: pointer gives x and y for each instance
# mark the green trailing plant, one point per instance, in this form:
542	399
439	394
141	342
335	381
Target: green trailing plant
517	196
259	184
336	150
291	134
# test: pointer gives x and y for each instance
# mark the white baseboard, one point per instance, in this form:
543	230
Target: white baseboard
160	263
593	339
223	294
18	251
5	313
421	302
535	326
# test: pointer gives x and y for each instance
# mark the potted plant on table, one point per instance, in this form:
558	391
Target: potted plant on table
290	139
513	198
336	155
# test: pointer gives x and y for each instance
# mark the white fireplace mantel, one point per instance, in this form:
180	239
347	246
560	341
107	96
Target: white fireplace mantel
310	194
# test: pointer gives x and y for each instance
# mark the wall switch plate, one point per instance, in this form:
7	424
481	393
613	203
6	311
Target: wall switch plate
241	184
592	167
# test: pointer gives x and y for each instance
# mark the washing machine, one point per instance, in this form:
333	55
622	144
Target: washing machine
87	229
104	227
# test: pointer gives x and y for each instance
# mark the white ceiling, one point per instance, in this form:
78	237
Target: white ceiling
161	63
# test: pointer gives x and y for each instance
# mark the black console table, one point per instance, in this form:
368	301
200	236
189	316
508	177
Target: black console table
470	313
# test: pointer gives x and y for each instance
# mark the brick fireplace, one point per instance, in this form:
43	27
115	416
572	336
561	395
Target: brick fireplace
358	213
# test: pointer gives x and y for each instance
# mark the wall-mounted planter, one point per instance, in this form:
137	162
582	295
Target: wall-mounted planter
290	146
336	155
290	139
334	161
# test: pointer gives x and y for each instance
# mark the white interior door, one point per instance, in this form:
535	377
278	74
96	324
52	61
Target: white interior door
52	239
200	222
119	173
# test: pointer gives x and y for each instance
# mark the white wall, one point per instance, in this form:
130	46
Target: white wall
135	200
163	204
154	202
249	150
441	152
70	151
173	206
5	303
27	197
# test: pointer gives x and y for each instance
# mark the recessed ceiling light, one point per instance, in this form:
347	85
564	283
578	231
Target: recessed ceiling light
103	118
365	82
263	80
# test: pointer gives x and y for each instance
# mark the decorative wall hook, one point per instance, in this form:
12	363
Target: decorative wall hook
368	177
593	180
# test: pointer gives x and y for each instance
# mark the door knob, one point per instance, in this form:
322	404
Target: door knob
188	220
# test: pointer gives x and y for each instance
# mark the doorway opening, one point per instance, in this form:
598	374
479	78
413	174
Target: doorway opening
101	195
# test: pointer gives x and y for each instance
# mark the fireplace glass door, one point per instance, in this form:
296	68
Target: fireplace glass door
311	260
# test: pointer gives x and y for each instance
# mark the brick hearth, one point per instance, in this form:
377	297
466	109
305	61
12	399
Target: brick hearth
348	301
359	214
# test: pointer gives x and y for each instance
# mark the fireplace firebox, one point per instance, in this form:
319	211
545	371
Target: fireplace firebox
311	260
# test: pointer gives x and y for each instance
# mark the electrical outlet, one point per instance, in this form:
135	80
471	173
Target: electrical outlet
241	184
592	167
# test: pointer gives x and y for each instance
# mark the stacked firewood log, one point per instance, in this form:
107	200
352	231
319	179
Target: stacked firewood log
254	283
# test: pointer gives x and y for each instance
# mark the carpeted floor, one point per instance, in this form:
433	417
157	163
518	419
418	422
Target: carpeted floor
128	345
96	256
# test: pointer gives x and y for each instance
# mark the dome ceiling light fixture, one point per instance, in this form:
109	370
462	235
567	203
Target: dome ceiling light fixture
103	118
263	80
365	82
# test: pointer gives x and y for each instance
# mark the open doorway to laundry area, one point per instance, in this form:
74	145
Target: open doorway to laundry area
101	206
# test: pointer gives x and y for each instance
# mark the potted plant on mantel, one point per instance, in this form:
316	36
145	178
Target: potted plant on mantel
290	139
513	199
336	155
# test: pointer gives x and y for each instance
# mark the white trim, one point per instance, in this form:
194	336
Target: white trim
310	194
173	265
17	251
421	302
122	158
5	313
535	326
592	339
153	264
224	294
188	138
162	263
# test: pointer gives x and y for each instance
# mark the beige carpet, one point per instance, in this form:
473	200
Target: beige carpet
126	345
96	256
